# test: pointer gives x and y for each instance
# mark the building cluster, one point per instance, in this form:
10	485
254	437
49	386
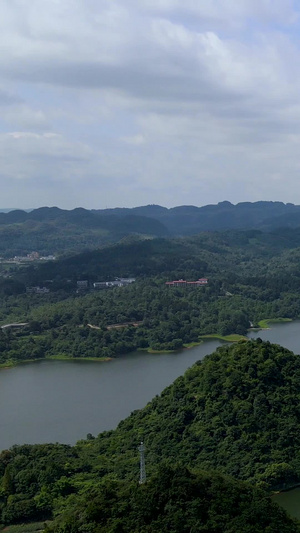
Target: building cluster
118	282
37	290
183	283
33	256
84	285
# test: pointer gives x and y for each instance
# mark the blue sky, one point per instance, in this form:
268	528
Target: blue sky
107	103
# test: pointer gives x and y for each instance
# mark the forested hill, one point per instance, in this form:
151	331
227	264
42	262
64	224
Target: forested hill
57	231
204	254
236	412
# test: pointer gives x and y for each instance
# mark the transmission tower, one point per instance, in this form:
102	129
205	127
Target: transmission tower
141	449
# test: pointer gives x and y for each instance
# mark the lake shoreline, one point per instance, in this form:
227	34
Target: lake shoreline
233	337
282	491
12	363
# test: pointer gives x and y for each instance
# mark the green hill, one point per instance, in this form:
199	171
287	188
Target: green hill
237	411
178	501
246	252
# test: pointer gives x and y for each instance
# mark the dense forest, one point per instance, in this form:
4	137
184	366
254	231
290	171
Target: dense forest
60	232
236	413
178	501
57	231
251	276
247	252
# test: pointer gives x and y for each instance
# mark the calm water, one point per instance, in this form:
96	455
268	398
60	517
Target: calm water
62	401
290	501
287	334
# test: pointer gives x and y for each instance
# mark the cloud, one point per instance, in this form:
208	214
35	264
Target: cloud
132	99
235	14
23	116
8	99
135	140
28	155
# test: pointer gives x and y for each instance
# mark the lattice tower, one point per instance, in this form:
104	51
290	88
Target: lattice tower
141	449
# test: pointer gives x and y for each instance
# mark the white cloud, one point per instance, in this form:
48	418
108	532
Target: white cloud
23	116
222	14
200	98
28	156
135	140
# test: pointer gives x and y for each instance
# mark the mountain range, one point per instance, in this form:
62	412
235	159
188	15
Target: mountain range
82	229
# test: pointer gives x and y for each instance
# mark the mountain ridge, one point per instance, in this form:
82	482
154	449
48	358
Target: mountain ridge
233	216
80	229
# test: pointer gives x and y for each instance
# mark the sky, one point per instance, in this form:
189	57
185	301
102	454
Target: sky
107	103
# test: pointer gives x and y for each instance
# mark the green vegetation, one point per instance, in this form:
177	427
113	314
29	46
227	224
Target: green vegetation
241	291
53	230
62	357
8	363
176	500
226	338
57	231
264	324
192	344
34	527
237	413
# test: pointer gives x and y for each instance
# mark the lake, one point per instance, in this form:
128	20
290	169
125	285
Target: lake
290	501
62	401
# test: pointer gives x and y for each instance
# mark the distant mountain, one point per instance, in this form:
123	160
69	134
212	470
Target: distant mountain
53	230
188	220
8	209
